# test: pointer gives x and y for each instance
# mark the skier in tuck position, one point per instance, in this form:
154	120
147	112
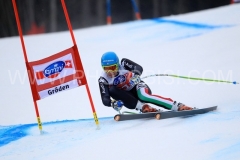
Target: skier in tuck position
120	84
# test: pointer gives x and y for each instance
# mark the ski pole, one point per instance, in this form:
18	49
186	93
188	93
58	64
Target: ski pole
192	78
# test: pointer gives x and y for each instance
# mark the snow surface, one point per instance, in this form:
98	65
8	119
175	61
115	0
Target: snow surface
203	44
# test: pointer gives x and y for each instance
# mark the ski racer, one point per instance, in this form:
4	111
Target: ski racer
120	84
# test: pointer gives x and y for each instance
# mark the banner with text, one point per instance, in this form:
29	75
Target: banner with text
57	73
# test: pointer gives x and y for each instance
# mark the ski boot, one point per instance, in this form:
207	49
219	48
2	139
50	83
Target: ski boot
180	107
146	108
183	107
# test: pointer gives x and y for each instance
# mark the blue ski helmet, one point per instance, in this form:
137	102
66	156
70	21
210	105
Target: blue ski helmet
109	58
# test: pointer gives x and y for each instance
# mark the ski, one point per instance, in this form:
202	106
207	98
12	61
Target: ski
163	115
172	114
132	116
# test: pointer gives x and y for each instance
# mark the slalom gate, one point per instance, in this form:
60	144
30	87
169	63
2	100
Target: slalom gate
60	72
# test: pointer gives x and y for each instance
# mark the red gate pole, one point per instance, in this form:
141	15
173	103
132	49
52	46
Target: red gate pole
74	42
135	7
26	61
109	16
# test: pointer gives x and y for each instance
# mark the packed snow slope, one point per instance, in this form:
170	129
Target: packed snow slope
203	44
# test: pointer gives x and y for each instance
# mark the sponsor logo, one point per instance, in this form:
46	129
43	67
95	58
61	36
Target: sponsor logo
103	89
109	60
54	69
102	80
127	64
119	79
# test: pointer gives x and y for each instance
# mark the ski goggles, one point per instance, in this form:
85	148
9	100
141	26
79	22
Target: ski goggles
110	68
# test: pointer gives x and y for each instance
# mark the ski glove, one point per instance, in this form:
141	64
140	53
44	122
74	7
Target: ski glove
117	105
135	80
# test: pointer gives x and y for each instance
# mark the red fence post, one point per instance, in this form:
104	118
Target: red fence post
74	42
26	61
